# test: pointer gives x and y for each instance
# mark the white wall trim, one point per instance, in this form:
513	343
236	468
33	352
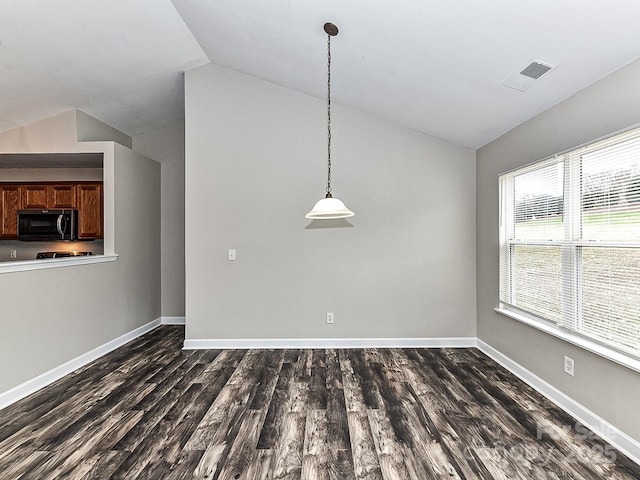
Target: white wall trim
611	434
41	381
245	343
173	320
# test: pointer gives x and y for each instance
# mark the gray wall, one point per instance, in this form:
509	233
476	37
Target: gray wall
166	146
609	390
404	266
90	129
52	316
50	174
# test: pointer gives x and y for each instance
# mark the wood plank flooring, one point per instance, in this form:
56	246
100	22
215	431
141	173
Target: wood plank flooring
152	411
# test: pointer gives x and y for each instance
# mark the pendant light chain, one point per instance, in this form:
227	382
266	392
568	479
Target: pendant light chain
329	208
329	115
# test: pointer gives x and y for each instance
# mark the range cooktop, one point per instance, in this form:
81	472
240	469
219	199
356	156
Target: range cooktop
41	255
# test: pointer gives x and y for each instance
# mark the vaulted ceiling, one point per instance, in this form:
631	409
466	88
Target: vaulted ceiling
437	66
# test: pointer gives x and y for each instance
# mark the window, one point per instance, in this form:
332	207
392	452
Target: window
570	241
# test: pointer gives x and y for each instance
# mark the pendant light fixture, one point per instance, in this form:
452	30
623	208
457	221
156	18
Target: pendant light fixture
329	207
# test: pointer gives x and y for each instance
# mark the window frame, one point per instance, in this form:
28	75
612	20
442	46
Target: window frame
569	326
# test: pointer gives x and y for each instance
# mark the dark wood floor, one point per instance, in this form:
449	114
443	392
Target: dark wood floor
151	411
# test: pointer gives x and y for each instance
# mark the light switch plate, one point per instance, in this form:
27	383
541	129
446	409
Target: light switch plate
232	255
568	366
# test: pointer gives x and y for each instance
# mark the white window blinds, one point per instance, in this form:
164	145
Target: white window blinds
570	241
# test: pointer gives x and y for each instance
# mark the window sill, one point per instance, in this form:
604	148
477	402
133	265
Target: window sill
26	265
577	340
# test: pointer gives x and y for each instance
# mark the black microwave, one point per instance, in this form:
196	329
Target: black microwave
47	225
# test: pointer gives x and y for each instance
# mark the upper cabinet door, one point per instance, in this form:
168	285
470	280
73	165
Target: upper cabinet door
63	196
35	196
10	201
89	211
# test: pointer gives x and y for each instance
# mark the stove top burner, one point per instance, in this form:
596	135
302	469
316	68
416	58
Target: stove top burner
41	255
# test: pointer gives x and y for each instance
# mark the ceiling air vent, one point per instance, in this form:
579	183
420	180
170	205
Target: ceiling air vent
528	76
536	70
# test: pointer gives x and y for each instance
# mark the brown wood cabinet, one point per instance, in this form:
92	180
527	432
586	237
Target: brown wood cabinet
62	196
49	196
10	201
84	196
89	211
35	196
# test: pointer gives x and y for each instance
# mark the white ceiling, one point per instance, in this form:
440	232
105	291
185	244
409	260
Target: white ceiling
436	66
118	60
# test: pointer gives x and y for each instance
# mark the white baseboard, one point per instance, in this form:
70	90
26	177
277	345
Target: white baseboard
173	320
245	343
41	381
611	434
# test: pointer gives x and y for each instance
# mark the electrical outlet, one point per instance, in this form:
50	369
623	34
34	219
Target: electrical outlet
329	317
14	253
568	365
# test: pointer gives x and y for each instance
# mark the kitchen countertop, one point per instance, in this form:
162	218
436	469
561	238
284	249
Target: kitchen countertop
26	265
